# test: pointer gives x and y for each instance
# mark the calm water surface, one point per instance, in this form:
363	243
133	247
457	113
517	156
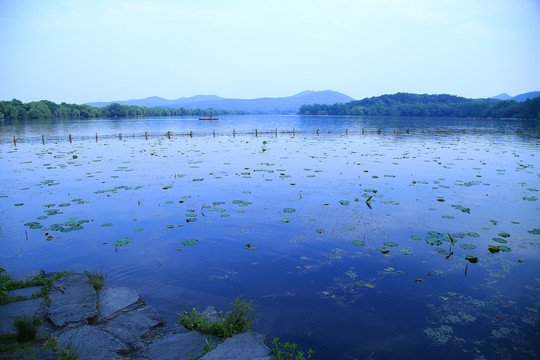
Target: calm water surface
320	210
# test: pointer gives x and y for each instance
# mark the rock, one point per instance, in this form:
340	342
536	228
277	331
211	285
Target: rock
98	341
29	275
73	300
26	292
177	346
245	346
17	309
112	300
138	322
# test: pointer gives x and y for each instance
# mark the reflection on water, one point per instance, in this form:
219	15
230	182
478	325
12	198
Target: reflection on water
357	243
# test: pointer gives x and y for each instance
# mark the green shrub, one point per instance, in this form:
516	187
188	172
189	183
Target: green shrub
288	351
26	328
239	320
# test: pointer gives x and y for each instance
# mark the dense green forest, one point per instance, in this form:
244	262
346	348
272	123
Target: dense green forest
404	104
45	109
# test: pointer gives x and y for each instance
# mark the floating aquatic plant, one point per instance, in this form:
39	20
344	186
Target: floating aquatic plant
122	242
359	242
289	210
190	242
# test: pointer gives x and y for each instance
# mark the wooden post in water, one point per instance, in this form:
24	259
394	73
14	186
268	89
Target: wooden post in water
146	135
14	141
362	131
423	131
292	131
347	131
379	131
233	133
119	136
276	132
255	132
450	131
395	131
214	132
408	131
191	134
96	138
317	131
168	135
43	139
70	138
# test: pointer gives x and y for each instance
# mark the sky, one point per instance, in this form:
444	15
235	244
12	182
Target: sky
105	50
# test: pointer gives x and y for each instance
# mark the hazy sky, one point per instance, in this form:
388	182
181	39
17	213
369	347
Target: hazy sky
104	50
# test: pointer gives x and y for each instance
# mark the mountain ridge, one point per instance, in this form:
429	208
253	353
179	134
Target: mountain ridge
520	97
287	104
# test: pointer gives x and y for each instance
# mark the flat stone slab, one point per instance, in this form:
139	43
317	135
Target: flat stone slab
96	342
17	309
29	275
73	300
26	292
177	346
245	346
112	300
138	322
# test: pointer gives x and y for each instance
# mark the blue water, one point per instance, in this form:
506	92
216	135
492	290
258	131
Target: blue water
317	274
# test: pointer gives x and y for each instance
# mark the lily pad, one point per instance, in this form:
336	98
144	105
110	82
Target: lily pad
121	242
405	251
320	231
344	202
348	227
390	243
471	259
505	235
416	237
368	285
534	231
493	249
433	241
499	240
285	220
190	242
106	224
467	246
504	248
358	242
250	247
289	210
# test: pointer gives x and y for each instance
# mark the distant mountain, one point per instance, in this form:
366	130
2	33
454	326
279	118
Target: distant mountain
282	105
520	97
503	96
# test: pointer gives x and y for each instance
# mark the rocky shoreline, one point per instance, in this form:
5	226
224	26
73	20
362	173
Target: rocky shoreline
115	323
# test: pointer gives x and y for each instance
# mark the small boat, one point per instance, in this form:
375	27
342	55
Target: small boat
208	118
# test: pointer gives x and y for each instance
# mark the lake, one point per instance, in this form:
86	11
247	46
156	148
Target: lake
421	241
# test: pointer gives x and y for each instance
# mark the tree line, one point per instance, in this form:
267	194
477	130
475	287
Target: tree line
44	109
405	104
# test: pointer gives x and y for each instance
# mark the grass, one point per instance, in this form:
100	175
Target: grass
11	348
97	278
7	282
239	320
26	328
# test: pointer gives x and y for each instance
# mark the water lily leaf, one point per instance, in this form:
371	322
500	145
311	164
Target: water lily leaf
534	231
139	229
405	252
320	231
448	217
416	237
499	240
471	259
442	251
504	248
106	224
18	204
358	242
344	202
348	227
170	226
121	242
285	220
250	247
368	285
473	234
289	210
167	187
190	242
389	269
493	249
505	235
390	243
433	241
467	246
